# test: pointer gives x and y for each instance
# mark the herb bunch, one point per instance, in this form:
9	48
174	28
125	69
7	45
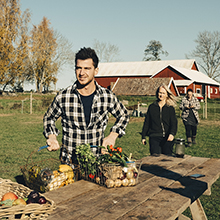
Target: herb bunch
87	160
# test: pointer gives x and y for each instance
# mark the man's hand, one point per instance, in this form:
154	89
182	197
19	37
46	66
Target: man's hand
170	137
109	140
144	141
52	143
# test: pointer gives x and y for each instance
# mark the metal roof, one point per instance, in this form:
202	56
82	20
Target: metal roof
183	82
195	76
141	68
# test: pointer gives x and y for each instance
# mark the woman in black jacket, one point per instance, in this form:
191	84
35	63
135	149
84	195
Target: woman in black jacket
161	123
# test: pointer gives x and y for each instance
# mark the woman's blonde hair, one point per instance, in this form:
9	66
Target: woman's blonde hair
171	98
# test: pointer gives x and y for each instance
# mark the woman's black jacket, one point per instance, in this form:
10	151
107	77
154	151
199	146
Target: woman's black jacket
159	123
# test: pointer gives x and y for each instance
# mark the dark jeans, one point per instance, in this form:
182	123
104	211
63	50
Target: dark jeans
190	130
160	145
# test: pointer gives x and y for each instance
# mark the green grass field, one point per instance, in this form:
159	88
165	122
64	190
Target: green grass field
21	134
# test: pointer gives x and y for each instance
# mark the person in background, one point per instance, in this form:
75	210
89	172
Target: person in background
84	109
161	123
190	116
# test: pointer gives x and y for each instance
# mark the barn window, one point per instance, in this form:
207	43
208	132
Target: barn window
198	90
216	91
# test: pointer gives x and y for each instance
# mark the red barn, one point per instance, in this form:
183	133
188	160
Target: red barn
195	80
184	72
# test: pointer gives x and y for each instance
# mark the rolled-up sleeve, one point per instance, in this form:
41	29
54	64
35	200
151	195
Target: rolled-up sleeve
119	111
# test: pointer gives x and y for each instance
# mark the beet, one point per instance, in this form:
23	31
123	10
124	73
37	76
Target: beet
135	174
34	196
29	201
42	200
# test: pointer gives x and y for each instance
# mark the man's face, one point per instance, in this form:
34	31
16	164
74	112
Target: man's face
190	94
85	71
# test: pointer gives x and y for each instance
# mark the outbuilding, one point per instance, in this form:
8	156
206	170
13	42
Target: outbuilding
185	74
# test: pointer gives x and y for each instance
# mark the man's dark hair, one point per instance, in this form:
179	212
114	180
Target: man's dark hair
189	90
86	53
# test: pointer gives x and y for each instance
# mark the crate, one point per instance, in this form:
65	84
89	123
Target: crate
113	175
30	211
44	175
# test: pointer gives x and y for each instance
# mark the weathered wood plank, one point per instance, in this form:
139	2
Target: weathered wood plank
71	191
170	202
130	197
183	217
163	178
197	211
211	170
170	160
101	203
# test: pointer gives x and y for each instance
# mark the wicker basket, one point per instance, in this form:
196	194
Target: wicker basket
30	211
43	175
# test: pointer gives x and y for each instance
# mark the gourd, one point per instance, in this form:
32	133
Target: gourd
64	168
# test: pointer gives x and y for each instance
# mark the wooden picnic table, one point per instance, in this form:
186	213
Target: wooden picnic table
164	191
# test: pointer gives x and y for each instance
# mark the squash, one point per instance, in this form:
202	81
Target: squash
64	168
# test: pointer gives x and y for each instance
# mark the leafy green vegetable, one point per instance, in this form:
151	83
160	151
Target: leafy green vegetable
86	159
89	162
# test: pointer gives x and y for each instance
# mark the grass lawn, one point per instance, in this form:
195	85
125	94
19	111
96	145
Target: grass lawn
21	134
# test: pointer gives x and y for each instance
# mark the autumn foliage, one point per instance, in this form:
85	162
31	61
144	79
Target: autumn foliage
43	46
13	42
28	55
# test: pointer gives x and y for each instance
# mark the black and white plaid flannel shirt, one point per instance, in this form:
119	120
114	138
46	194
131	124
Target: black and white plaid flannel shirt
67	105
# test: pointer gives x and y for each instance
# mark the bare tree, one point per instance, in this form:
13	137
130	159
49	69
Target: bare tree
64	53
208	53
154	50
106	52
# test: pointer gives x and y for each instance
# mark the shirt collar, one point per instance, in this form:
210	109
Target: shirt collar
74	87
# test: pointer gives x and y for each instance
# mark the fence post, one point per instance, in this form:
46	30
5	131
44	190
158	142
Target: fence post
138	109
31	103
22	106
203	109
206	106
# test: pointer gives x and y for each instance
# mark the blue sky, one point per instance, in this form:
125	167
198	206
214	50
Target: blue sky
129	24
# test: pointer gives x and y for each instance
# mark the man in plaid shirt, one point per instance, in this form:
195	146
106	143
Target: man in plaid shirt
84	108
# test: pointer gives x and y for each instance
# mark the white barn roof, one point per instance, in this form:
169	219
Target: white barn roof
195	76
183	82
141	68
